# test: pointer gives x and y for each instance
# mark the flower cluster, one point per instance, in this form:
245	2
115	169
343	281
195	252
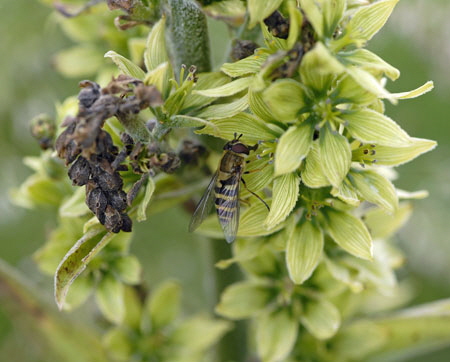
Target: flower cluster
312	99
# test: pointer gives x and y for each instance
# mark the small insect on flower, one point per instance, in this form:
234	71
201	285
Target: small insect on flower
223	189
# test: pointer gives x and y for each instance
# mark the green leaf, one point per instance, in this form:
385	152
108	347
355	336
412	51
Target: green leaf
249	65
181	121
319	67
321	318
110	298
78	61
252	128
142	208
427	87
128	268
382	225
370	62
199	333
226	90
156	52
244	299
125	65
349	233
164	304
226	110
259	10
304	251
285	98
76	260
335	154
276	333
293	146
285	195
369	126
312	174
374	188
368	20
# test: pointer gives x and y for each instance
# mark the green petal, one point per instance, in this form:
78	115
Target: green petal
110	299
333	10
128	269
230	11
314	15
257	180
342	273
295	22
225	110
368	82
319	67
349	91
321	319
164	304
293	146
259	10
370	62
205	81
312	174
347	193
244	299
199	333
118	344
276	334
249	65
374	188
252	128
369	126
258	105
226	90
368	20
126	66
285	98
285	195
394	156
427	87
79	61
142	208
304	251
75	206
156	52
349	233
335	154
383	225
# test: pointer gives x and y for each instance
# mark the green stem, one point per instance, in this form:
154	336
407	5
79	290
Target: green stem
233	346
189	35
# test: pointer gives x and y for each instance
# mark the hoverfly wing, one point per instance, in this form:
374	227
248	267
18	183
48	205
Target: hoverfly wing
204	206
227	206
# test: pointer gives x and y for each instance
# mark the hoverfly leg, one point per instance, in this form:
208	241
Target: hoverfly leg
246	202
254	194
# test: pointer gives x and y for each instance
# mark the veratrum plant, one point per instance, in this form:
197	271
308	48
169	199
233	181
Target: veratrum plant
319	267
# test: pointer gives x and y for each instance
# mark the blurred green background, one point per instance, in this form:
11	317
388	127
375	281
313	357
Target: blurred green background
415	41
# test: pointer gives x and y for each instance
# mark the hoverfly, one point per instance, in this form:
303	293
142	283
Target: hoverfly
223	189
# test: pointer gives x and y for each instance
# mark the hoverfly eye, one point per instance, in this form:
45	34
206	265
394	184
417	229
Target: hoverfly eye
240	148
227	146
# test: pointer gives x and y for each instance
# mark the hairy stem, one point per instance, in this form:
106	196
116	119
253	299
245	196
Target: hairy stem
189	35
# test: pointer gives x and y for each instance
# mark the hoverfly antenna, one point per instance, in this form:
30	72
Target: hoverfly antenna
235	136
239	137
